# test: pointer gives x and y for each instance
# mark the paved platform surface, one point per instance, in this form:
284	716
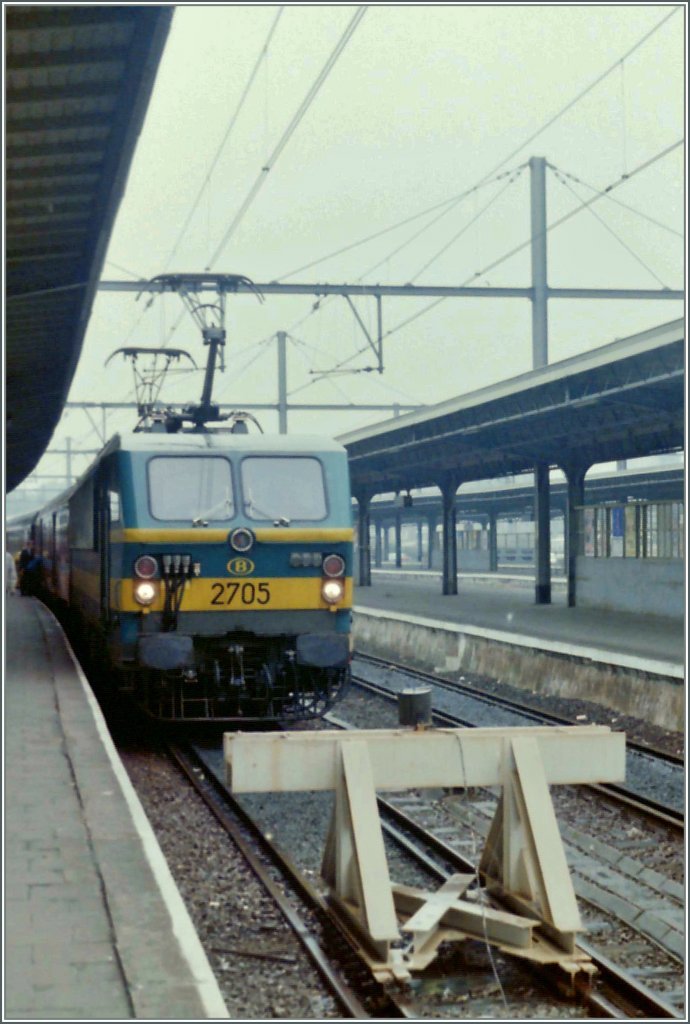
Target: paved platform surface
95	928
505	604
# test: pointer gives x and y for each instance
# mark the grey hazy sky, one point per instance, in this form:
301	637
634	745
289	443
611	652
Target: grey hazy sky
422	103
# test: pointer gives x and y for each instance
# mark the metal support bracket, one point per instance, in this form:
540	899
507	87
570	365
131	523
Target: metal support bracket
376	346
399	928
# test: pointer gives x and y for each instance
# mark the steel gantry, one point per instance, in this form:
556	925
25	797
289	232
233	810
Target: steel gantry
539	293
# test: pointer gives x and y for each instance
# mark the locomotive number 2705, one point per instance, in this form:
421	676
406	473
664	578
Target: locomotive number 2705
247	593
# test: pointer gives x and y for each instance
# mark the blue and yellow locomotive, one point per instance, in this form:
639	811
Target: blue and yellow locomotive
214	568
211	566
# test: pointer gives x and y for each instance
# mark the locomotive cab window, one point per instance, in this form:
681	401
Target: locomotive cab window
283	487
191	488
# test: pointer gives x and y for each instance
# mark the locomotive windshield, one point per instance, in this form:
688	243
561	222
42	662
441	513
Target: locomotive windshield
283	487
191	488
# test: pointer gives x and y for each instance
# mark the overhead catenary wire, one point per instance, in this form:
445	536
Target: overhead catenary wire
118	266
550	121
550	227
512	252
559	114
413	238
601	220
302	355
592	85
456	199
233	120
288	133
547	124
448	206
445	206
257	350
523	145
240	105
270	162
618	202
511	180
512	175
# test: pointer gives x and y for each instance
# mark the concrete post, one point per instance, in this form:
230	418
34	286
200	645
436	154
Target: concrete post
431	530
540	324
377	543
575	475
398	540
493	540
449	485
363	521
542	540
420	548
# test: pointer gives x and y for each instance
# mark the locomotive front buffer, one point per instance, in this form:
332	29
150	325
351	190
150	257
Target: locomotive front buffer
523	866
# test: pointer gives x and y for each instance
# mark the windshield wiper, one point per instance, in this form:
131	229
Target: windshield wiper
201	519
251	507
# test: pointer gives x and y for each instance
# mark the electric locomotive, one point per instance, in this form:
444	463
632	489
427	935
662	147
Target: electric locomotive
212	567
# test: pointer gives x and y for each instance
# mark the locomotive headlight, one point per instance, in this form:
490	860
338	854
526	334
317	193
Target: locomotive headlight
144	592
334	565
145	567
241	539
332	591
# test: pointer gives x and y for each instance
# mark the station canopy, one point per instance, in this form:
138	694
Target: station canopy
619	401
77	84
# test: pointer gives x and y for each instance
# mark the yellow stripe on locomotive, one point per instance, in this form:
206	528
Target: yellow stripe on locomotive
236	594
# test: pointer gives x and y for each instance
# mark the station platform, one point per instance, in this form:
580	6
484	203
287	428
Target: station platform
95	927
633	663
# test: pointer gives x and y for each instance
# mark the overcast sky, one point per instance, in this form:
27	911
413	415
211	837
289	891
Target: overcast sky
422	104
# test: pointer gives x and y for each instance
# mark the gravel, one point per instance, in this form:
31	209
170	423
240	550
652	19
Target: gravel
261	969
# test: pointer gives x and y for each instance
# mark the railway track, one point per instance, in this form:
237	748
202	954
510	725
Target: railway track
617	995
649	806
332	952
325	944
328	942
501	701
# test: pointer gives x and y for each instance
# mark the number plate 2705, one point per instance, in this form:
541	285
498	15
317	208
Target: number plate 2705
240	594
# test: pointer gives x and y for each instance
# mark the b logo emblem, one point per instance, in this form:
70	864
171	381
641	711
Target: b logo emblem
240	566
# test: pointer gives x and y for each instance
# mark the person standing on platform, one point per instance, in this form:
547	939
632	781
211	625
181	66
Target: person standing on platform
31	577
25	556
10	573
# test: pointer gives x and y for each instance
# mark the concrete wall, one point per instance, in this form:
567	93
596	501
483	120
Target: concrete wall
473	561
553	669
650	586
469	561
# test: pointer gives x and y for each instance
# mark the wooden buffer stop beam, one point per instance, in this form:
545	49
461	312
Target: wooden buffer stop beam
523	862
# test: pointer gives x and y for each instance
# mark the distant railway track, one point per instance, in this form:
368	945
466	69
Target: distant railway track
673	817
